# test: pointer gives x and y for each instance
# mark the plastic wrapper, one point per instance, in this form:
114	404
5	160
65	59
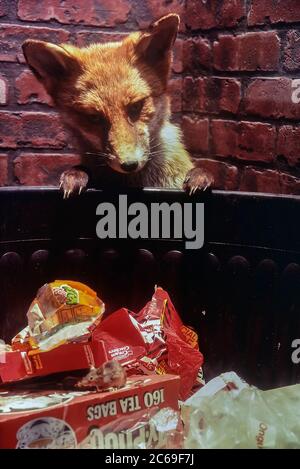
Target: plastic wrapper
153	341
244	417
171	347
62	310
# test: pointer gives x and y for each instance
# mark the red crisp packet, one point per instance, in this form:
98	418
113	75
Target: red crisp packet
171	346
120	338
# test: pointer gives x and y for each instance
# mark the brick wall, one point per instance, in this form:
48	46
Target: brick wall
235	62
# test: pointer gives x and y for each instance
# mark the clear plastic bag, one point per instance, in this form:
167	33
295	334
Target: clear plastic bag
248	419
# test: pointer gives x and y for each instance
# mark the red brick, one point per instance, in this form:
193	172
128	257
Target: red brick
211	95
270	181
225	175
29	90
10	129
224	138
271	97
194	94
196	134
226	53
3	170
33	169
291	60
288	144
42	130
3	8
177	65
214	14
147	11
12	37
247	52
175	90
256	141
252	141
289	184
84	38
266	180
89	12
31	129
223	94
268	11
3	91
197	55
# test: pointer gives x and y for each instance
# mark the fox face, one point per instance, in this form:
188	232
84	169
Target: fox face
112	95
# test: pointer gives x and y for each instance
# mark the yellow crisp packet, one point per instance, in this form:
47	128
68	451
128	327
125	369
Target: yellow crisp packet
58	304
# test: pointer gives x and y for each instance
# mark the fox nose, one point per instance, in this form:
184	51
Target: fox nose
129	166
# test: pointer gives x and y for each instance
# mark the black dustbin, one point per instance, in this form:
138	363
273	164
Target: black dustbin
241	291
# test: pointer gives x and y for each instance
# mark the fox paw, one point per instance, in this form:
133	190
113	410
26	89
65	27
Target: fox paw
73	181
197	180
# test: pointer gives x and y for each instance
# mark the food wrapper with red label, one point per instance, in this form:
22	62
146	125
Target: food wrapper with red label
171	347
62	309
151	341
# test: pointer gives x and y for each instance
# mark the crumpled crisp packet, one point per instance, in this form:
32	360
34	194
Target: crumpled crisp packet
171	347
154	340
62	309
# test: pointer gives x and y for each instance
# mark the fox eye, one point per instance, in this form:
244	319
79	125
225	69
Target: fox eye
98	119
134	110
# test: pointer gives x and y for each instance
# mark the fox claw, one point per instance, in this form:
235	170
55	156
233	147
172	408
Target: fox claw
197	180
67	194
73	181
193	190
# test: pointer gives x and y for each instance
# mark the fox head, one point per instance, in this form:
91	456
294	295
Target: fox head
114	94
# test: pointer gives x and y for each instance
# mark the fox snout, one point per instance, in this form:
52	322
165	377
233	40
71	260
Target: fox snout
130	162
124	148
127	149
129	166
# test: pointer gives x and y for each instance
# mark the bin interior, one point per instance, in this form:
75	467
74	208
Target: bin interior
241	291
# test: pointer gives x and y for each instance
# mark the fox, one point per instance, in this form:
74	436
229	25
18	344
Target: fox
113	97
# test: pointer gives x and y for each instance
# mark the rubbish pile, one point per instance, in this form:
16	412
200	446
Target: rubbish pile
132	380
73	379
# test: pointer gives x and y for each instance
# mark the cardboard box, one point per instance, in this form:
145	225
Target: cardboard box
136	416
104	342
23	365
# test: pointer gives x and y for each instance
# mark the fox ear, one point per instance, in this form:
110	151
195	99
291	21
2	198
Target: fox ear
155	46
49	63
